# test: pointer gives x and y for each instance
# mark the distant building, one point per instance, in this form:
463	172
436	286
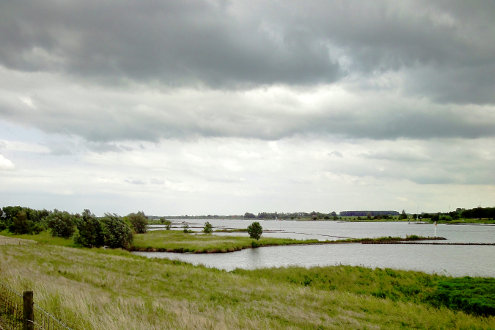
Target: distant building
366	213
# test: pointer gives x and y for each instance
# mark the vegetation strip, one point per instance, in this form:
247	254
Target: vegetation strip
179	242
429	243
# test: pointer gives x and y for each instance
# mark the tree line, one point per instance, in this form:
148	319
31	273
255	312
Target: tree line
86	229
460	213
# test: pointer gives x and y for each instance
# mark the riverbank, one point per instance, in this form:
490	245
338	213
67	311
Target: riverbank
180	242
112	289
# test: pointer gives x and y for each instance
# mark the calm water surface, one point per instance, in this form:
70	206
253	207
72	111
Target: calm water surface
447	259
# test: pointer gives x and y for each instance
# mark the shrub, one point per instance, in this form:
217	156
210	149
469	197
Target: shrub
471	295
167	223
61	224
90	233
138	222
208	228
116	232
185	227
255	230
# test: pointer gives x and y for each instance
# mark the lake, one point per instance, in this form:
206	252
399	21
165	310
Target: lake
441	259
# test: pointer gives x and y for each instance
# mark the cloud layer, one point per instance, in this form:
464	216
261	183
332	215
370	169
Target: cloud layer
241	96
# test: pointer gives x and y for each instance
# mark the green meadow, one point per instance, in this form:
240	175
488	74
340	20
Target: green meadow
113	289
177	241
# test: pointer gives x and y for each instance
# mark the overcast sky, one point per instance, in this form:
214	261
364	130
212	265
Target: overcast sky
222	107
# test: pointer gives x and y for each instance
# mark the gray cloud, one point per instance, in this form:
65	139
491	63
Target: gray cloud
175	43
444	49
105	116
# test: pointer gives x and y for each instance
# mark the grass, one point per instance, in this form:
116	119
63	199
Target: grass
180	242
43	237
472	295
113	289
175	241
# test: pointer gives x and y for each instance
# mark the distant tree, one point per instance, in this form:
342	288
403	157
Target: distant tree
208	228
89	230
255	230
61	224
168	224
116	232
138	222
248	215
403	215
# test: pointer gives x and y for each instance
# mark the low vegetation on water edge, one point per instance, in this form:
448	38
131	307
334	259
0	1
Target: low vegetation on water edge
113	289
175	241
471	295
195	242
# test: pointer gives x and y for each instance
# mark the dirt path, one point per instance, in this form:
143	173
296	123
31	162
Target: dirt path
4	240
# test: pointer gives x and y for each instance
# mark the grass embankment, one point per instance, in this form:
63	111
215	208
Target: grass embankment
112	289
176	241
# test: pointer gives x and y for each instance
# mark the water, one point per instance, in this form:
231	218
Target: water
446	259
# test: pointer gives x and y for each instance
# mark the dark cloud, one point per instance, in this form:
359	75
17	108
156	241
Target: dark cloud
173	42
444	48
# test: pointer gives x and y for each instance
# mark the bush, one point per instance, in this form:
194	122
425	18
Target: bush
116	232
255	230
61	224
90	233
167	223
471	295
185	227
208	228
138	222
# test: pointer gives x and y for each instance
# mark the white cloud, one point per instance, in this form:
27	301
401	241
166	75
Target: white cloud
6	164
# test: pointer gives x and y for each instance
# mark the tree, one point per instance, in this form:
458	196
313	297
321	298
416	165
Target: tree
255	230
61	224
20	223
138	222
403	215
248	215
168	224
116	232
89	229
208	228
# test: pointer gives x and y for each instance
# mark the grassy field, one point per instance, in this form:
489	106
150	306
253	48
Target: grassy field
113	289
177	241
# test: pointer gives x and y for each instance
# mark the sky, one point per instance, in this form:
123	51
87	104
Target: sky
226	107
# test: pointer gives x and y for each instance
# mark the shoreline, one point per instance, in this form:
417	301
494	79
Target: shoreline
255	244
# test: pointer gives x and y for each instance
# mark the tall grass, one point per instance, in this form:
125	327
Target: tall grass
112	289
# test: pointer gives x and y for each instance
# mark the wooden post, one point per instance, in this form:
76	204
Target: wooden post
28	318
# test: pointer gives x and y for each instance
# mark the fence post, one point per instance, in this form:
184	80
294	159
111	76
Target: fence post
28	317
